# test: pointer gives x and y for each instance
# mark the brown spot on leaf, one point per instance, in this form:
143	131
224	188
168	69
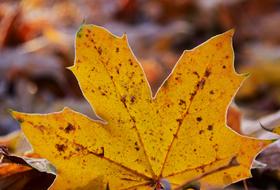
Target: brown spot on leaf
41	128
123	99
130	62
196	73
200	84
200	132
210	127
199	119
99	50
192	95
117	50
179	121
69	128
207	73
101	152
216	147
182	102
132	99
137	148
61	147
78	148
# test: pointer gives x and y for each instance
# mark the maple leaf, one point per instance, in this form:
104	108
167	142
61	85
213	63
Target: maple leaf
175	138
16	173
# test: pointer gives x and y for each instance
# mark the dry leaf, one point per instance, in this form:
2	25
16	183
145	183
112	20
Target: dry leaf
17	173
177	138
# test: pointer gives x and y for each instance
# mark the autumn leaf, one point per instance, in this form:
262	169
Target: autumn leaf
17	172
175	138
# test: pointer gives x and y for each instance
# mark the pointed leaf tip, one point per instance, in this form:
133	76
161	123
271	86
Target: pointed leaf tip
231	32
66	109
16	116
71	68
124	36
10	111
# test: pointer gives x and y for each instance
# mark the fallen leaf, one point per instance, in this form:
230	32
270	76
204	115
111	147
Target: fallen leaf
18	173
19	177
174	139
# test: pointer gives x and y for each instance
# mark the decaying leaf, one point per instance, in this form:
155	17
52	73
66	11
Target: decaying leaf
177	138
23	173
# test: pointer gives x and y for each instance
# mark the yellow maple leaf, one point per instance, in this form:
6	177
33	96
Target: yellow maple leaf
144	142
